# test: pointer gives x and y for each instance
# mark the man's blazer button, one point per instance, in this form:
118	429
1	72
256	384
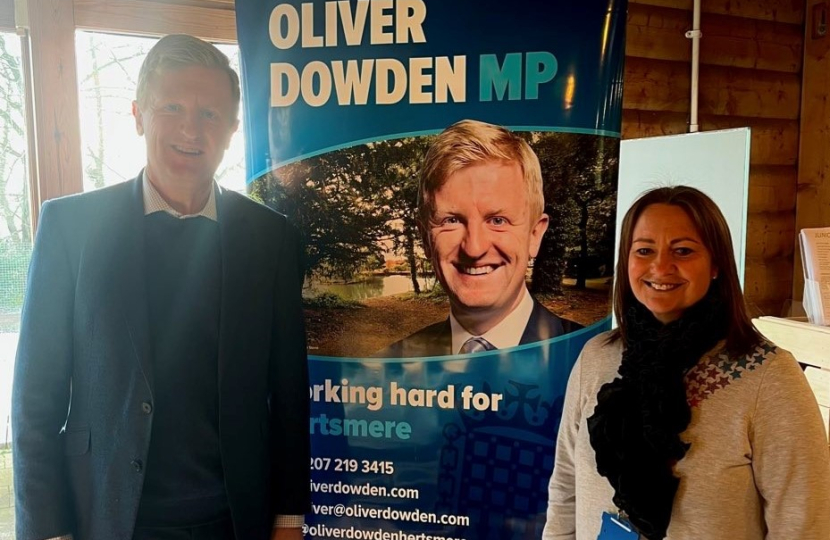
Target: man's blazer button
137	465
147	407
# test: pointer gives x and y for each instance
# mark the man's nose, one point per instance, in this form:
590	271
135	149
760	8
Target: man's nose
191	125
476	240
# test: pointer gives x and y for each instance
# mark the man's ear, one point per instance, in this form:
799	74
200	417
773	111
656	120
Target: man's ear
234	129
139	119
536	234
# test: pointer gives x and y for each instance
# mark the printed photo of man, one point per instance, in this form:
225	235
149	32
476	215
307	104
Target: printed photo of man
481	218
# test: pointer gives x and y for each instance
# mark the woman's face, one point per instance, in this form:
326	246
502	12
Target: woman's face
669	268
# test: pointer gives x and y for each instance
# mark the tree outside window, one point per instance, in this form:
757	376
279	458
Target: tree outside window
15	248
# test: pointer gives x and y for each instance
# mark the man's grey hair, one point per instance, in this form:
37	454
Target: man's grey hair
179	51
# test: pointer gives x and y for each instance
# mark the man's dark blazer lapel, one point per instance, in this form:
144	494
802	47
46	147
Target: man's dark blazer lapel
434	340
127	256
237	287
544	325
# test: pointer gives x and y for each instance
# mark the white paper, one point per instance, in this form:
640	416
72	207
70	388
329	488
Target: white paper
817	301
815	258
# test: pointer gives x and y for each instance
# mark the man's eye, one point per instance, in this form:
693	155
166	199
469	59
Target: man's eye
498	221
209	115
172	107
452	220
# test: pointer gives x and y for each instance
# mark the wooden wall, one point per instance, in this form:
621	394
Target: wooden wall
750	75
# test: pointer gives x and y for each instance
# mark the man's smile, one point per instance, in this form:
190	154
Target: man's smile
189	150
477	270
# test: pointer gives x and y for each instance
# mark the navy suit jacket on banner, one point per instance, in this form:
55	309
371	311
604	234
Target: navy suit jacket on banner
83	387
436	339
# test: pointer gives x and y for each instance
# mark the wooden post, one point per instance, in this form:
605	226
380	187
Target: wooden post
813	194
48	27
213	20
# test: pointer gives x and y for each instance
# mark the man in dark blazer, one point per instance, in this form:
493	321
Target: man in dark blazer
480	213
160	386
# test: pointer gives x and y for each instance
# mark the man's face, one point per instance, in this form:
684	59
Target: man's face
187	123
480	239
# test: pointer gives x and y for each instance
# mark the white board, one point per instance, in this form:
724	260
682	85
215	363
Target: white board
715	162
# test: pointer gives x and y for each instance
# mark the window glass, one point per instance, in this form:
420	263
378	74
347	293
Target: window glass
15	248
108	67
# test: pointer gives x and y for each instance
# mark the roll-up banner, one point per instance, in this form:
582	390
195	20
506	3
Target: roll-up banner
448	289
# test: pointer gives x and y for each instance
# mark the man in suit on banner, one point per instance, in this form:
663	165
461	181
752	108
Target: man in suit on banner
160	386
481	216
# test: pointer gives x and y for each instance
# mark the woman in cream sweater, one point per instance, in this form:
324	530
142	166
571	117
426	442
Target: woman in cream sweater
684	422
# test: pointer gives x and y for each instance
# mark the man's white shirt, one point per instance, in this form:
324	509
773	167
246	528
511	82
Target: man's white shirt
508	333
154	202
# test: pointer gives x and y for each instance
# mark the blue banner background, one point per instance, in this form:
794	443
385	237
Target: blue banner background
584	96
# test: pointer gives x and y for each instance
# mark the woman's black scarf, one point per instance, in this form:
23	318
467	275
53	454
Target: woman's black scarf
638	418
